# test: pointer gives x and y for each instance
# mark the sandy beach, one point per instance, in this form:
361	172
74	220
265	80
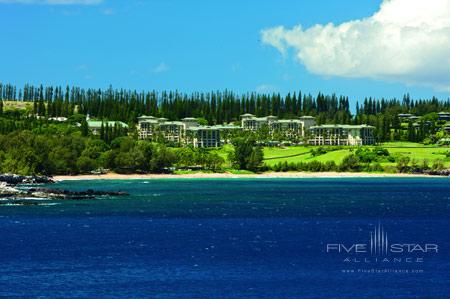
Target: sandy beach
116	176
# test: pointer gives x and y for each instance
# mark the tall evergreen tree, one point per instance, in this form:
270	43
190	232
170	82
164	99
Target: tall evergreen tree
84	128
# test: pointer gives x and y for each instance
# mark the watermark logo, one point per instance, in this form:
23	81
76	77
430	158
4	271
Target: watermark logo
380	248
379	244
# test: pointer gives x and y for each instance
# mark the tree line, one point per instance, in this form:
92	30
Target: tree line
31	143
216	107
64	149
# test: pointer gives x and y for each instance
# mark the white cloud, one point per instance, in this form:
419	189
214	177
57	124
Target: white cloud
161	68
406	41
53	2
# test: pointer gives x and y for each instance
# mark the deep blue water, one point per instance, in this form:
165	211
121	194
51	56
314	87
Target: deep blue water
243	238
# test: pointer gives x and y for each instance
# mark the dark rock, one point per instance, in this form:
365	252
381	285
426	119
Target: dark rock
445	172
67	194
14	179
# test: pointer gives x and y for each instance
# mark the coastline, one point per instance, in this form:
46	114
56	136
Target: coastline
268	175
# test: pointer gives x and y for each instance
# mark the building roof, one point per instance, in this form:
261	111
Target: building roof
226	127
58	118
342	127
147	117
289	121
247	115
307	117
98	123
178	123
203	128
150	119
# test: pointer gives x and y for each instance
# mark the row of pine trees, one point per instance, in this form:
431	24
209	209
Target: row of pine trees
223	106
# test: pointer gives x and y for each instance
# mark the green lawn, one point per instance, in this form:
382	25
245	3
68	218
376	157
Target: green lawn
274	152
17	105
404	144
336	156
305	156
419	152
224	152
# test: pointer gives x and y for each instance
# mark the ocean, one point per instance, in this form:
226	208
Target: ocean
232	238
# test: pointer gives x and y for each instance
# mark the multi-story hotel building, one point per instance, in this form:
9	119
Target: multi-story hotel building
341	135
186	131
148	126
308	122
189	132
290	127
444	116
203	136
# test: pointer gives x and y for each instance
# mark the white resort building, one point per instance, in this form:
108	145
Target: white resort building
172	131
202	136
290	127
187	131
148	125
341	135
444	116
308	122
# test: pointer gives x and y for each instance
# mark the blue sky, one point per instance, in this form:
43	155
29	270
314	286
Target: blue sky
185	45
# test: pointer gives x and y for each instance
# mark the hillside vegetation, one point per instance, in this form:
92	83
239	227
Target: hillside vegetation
43	130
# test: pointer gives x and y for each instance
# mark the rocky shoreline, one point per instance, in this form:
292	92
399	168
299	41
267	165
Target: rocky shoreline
14	179
12	192
30	193
9	189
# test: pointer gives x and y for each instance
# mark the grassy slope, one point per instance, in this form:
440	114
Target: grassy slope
224	152
415	151
336	156
273	152
17	105
295	154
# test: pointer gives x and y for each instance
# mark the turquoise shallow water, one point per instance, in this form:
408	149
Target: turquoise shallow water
228	238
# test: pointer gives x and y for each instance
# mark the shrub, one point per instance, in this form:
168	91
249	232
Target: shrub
438	165
375	167
350	163
86	164
402	164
